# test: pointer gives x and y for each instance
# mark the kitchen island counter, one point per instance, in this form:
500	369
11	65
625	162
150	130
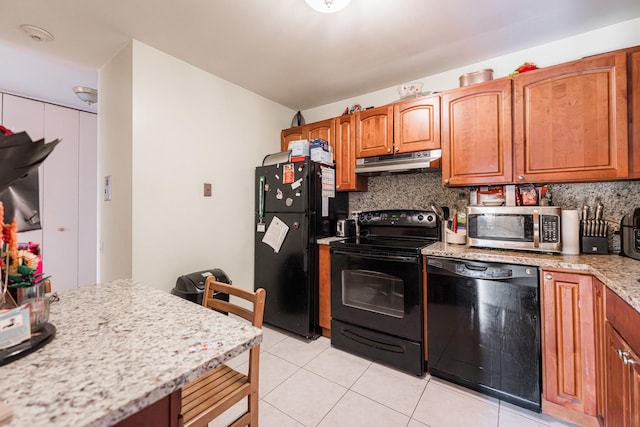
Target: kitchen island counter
119	348
618	273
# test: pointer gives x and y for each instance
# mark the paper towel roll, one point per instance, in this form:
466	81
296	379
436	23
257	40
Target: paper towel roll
570	224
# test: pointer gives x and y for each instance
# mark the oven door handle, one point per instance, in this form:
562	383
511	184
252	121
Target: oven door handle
399	258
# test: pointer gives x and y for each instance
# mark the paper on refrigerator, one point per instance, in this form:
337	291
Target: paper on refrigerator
276	233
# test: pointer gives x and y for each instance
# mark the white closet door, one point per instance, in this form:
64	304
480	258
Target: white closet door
60	209
88	200
21	114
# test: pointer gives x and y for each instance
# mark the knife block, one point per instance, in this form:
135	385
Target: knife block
594	245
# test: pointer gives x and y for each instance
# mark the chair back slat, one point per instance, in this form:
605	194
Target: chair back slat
257	298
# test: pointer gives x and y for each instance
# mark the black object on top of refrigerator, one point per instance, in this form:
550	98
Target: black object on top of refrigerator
294	208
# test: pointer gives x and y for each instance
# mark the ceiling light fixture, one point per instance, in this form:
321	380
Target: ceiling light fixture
36	34
328	6
86	94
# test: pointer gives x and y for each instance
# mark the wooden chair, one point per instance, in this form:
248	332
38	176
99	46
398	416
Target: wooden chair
205	398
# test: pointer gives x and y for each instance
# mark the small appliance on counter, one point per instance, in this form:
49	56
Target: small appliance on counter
346	228
527	228
630	234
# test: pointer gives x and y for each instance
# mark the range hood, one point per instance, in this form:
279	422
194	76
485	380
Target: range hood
399	163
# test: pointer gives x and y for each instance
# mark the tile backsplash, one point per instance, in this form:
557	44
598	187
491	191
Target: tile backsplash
420	190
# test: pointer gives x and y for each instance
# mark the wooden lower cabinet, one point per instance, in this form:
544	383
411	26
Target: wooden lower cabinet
324	289
599	320
622	365
568	352
164	413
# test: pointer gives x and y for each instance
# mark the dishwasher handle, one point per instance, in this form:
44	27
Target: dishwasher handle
479	270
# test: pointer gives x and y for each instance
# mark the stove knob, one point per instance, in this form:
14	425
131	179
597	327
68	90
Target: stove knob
430	218
368	217
361	217
420	217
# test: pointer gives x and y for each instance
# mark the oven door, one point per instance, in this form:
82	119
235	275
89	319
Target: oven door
378	291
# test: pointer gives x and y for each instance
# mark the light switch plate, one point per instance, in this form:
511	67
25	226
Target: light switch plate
207	189
107	188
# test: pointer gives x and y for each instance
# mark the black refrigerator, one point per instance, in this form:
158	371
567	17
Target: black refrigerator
296	204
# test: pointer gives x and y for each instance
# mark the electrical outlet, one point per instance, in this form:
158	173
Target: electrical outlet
207	189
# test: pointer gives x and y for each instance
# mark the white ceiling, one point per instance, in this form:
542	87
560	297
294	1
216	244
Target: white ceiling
284	51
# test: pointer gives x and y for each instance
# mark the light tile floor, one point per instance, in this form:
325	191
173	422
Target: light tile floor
309	383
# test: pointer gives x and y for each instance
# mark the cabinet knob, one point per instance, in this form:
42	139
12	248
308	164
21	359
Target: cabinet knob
520	177
397	149
388	150
548	276
446	181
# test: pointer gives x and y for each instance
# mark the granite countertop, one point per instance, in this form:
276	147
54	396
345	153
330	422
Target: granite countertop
119	347
618	273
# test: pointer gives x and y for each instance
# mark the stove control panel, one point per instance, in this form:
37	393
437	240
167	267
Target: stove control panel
413	218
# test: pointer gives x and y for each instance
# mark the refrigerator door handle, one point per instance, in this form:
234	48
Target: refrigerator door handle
305	261
261	198
305	244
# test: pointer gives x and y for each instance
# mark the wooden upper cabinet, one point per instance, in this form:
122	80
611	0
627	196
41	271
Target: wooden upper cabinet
374	131
325	129
416	125
634	110
568	355
476	134
345	156
291	134
570	121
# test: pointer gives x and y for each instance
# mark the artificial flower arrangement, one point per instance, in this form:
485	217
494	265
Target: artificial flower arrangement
20	265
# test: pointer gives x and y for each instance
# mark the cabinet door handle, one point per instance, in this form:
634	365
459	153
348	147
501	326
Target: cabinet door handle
520	177
626	358
388	150
397	149
548	276
446	181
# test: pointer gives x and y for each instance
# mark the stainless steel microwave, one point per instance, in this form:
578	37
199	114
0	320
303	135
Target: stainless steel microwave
529	228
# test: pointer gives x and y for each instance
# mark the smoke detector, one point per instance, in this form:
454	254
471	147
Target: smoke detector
36	33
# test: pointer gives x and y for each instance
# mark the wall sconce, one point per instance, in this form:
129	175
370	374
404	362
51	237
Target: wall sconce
328	6
86	94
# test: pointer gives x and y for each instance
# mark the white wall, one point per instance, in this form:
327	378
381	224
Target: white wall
44	79
114	159
618	36
188	127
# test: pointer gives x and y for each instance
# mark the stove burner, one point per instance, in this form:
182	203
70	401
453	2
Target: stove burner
394	230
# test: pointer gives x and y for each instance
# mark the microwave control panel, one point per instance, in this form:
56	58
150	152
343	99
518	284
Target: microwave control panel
550	228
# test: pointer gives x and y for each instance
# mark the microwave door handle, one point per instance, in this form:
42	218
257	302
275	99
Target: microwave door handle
536	229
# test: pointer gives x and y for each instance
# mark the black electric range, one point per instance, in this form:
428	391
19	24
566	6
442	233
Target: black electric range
377	295
406	231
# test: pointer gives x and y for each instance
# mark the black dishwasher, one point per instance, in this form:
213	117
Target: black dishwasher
483	328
